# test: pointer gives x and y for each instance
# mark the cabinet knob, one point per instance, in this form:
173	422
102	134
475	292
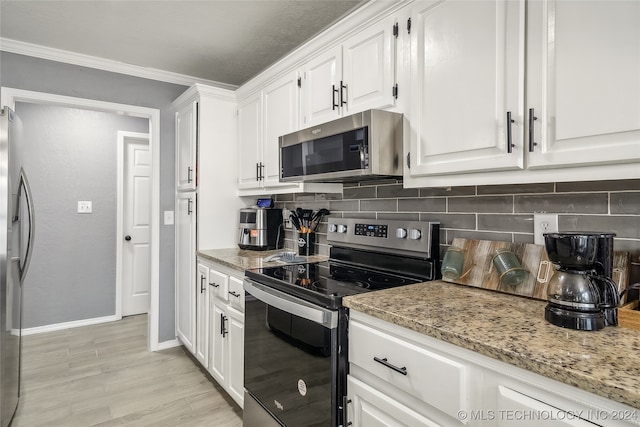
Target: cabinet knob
127	238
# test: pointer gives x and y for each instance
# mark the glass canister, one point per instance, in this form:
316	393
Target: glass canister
452	263
509	268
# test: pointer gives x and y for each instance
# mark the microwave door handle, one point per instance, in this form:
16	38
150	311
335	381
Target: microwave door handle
292	305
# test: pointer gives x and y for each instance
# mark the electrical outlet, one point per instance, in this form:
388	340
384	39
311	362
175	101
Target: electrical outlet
543	223
84	207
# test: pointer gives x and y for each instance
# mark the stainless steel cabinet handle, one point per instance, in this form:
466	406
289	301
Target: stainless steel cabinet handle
189	171
189	210
384	362
237	295
345	402
334	105
509	138
223	329
342	96
532	119
214	285
201	283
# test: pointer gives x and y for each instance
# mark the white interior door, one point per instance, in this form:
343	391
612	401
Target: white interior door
136	253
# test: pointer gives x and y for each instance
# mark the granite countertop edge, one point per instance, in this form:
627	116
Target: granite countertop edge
244	259
572	357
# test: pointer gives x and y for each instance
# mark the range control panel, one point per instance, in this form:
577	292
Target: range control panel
371	230
413	236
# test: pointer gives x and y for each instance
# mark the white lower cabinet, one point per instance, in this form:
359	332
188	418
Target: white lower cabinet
371	407
202	315
398	377
226	329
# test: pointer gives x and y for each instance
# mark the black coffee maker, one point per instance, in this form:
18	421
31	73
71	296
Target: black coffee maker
581	294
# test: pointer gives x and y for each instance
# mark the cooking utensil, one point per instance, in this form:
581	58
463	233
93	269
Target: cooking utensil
318	217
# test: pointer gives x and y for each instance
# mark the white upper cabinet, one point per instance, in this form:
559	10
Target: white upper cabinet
281	116
321	88
583	82
186	146
473	101
369	67
354	76
262	118
250	142
466	76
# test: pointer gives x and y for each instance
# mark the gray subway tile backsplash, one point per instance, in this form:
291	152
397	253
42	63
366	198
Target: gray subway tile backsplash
492	212
589	203
481	204
625	203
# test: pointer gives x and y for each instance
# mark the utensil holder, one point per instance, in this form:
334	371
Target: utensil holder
306	244
452	263
509	268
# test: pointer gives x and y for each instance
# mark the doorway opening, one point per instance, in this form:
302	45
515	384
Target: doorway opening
12	96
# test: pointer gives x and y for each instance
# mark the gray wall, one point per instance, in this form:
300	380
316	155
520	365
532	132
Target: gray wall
24	72
71	155
491	212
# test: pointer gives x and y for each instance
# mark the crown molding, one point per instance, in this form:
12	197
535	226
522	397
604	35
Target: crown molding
67	57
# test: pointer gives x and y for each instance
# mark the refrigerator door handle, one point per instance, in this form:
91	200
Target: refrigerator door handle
24	184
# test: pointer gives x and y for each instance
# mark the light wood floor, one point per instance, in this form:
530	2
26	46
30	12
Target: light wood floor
103	375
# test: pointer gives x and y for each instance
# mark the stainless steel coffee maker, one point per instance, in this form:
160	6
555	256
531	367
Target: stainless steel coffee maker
581	294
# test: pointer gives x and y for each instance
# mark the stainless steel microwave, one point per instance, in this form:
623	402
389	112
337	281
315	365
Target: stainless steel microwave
357	147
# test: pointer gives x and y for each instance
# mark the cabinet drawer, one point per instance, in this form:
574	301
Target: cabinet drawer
438	381
236	293
219	283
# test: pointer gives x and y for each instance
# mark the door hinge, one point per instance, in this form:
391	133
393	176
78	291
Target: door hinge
409	25
395	30
409	160
299	81
395	91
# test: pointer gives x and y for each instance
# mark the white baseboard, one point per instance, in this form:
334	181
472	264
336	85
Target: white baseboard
68	325
164	345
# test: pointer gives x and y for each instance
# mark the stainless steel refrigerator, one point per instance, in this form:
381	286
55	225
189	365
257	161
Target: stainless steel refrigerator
16	245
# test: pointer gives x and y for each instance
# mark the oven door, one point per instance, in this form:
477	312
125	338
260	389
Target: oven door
291	357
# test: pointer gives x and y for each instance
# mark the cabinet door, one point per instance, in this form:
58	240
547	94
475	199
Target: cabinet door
202	315
321	88
511	403
369	68
185	269
218	350
466	75
250	142
370	407
235	345
583	62
186	147
281	112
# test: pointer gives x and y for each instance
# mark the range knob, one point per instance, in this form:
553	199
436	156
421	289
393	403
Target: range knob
415	234
332	228
401	233
342	228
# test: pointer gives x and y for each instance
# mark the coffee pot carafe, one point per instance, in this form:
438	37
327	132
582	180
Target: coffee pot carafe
581	295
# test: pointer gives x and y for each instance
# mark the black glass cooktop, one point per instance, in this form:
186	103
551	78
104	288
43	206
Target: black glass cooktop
327	282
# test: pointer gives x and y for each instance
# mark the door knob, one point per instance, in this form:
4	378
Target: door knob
127	237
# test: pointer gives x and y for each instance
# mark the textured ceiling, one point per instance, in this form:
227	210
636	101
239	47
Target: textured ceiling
222	41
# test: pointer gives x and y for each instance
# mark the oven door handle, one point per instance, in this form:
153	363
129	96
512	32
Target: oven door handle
292	305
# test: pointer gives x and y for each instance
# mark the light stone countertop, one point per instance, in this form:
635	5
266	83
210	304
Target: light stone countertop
512	329
241	259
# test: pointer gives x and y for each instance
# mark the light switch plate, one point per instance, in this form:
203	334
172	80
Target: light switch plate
168	217
84	207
